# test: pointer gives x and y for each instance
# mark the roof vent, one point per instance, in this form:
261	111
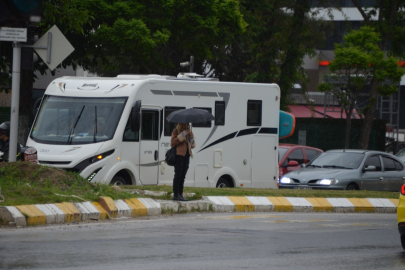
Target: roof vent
189	76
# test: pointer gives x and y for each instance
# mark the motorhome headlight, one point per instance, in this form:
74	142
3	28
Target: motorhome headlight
101	156
327	182
286	180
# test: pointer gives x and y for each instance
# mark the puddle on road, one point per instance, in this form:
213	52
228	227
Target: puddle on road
242	217
298	221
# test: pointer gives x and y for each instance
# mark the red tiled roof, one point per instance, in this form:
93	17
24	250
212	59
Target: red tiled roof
304	111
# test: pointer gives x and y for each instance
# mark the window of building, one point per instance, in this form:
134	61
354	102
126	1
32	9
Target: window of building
254	113
219	113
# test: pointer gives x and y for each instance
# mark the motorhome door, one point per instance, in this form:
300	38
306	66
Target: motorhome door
149	146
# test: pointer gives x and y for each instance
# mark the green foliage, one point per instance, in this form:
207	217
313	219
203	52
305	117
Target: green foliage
278	192
359	62
26	183
155	36
279	34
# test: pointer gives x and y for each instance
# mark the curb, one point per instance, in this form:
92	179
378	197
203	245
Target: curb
107	208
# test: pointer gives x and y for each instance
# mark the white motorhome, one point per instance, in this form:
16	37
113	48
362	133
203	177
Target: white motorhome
113	130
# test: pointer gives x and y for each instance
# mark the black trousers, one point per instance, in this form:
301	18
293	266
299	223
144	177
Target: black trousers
180	171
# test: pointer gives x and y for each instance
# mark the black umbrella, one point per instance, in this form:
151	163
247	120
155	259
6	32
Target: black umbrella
190	116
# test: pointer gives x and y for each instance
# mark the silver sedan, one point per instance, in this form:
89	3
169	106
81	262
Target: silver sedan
350	170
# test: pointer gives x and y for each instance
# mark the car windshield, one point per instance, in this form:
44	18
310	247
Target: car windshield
344	160
281	153
72	120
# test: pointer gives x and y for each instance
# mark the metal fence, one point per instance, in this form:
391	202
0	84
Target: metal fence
328	133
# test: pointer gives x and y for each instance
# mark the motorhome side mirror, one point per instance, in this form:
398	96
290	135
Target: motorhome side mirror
36	106
135	116
369	168
293	163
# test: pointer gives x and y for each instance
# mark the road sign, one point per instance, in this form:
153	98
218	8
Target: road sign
13	34
61	48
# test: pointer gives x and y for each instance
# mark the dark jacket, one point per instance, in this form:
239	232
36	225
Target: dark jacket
4	147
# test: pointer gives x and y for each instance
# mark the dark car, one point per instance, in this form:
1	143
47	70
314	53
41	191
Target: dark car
349	169
291	156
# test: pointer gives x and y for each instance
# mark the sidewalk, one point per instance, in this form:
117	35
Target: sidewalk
106	208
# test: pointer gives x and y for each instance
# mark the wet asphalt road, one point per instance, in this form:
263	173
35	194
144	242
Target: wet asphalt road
211	241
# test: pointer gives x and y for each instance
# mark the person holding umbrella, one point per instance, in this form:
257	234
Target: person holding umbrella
183	139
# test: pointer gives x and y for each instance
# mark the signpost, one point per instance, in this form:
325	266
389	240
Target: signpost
52	57
13	34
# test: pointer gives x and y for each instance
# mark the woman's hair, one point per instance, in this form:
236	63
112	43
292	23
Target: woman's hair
179	129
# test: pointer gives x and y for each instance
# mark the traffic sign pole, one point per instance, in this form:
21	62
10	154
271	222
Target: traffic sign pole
15	101
52	58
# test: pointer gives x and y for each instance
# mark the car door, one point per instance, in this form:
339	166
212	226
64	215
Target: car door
372	180
393	174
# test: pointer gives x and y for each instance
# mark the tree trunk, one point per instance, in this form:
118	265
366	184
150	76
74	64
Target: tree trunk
348	128
368	117
290	65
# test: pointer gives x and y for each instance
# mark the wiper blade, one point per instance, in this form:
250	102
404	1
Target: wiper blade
316	166
334	166
69	141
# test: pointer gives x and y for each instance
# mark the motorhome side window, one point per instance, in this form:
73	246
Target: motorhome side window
254	113
150	125
206	124
170	126
129	135
219	113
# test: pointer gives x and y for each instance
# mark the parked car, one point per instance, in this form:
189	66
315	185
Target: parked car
292	156
401	216
401	155
349	169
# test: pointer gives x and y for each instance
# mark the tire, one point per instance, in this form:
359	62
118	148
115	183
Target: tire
352	187
118	181
403	241
223	183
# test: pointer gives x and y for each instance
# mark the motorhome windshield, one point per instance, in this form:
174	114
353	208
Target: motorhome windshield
71	120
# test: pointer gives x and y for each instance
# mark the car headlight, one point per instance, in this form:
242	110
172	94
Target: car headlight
286	180
327	182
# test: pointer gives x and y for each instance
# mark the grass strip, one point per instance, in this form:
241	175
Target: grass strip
27	183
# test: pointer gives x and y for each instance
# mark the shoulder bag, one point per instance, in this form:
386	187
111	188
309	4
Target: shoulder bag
170	157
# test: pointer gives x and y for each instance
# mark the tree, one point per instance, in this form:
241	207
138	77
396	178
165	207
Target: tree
387	17
71	18
358	63
279	34
126	36
155	36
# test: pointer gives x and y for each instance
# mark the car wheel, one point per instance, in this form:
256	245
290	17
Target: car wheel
352	187
403	241
118	181
222	183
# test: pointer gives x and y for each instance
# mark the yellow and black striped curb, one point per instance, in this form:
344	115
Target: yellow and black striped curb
107	208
